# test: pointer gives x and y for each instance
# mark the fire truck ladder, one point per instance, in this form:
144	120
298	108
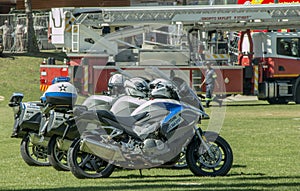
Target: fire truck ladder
204	18
233	46
223	17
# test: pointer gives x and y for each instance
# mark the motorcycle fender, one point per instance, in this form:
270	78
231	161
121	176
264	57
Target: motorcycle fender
39	140
64	144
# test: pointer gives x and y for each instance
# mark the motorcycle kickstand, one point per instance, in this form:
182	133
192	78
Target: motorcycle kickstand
141	174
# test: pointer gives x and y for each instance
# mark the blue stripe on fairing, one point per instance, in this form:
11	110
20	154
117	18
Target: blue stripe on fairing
173	108
60	94
23	106
43	98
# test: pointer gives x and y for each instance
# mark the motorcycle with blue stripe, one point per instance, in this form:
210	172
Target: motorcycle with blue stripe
28	119
60	125
153	135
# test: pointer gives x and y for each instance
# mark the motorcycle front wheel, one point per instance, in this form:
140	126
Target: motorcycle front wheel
216	161
86	165
33	155
56	156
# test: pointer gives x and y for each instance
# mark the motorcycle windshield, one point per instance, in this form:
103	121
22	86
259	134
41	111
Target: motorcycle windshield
185	93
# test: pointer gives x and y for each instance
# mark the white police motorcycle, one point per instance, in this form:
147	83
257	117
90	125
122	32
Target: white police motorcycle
152	135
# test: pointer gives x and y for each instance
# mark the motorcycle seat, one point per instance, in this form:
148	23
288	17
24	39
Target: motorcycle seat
125	123
128	121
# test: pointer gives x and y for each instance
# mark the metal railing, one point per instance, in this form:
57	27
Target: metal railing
40	22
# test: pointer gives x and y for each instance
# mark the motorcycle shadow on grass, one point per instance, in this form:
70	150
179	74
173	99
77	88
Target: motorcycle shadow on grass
187	183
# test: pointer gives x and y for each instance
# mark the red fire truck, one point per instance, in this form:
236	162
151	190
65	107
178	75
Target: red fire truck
98	40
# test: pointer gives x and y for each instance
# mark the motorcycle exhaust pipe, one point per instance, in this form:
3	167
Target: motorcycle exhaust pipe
39	140
106	151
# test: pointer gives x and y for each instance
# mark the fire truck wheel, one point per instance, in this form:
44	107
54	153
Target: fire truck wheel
297	97
277	101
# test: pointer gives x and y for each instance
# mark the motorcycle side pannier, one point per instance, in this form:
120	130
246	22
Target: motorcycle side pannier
30	116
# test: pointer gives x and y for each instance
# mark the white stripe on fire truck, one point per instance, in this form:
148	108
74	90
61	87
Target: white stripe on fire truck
216	56
255	80
86	78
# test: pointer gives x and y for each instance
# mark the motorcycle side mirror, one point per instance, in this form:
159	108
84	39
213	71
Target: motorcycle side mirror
15	99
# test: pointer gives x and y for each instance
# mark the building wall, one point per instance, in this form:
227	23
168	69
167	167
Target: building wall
6	5
45	5
5	8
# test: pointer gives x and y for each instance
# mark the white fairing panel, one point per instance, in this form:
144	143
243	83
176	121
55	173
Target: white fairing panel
98	102
125	105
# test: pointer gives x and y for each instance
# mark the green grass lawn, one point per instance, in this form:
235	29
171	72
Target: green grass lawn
264	139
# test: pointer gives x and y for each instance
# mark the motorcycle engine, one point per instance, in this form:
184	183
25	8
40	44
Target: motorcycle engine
153	147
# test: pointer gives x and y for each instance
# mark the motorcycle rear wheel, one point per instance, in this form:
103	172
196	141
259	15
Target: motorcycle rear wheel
56	156
201	163
86	165
33	155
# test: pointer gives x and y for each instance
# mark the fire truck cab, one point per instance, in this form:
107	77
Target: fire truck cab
276	54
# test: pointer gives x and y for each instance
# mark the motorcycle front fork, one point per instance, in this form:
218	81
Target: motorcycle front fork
16	128
43	128
199	133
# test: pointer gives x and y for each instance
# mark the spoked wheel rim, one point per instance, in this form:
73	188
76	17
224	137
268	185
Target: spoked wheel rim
215	159
61	156
212	160
33	154
90	163
57	156
38	153
87	165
